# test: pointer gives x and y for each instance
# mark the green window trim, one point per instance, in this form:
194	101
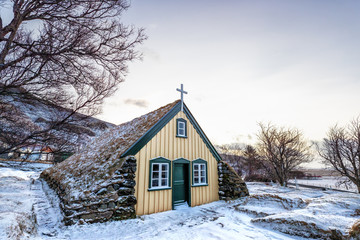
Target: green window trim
199	162
160	161
181	125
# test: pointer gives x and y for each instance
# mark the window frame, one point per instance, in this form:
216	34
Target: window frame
160	161
199	162
178	121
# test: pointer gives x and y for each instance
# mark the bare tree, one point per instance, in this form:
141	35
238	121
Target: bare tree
283	148
245	160
232	154
252	159
71	54
341	150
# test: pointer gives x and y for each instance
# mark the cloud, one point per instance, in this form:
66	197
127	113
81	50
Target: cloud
137	102
148	52
153	25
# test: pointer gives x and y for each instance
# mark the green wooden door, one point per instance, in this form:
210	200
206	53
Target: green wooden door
180	184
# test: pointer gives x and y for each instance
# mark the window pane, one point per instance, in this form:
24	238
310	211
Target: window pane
202	179
164	167
196	166
196	173
164	175
155	183
202	166
164	182
196	180
203	173
155	175
181	132
155	167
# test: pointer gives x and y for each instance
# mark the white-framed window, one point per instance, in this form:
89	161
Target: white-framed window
181	128
199	171
159	175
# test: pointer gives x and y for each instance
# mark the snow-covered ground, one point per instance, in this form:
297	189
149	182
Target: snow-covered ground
328	182
26	212
18	198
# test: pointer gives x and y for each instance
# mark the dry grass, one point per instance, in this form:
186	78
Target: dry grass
299	228
355	230
286	203
356	213
23	228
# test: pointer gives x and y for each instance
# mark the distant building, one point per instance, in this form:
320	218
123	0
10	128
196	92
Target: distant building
36	152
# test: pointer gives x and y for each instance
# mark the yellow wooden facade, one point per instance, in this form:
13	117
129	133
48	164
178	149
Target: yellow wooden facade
166	144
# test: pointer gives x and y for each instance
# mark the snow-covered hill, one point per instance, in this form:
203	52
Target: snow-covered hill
19	117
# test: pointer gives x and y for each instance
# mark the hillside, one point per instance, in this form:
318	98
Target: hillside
20	117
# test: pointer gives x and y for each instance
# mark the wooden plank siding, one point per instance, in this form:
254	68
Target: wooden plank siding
166	144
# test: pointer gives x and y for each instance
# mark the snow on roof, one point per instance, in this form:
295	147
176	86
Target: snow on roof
85	172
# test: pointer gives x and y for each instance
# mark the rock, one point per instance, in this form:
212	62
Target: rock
115	201
111	205
231	186
103	206
102	191
126	191
129	184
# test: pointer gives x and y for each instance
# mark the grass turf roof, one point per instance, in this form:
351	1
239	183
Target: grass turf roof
85	172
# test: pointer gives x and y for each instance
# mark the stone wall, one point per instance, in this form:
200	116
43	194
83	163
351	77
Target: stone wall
114	200
231	186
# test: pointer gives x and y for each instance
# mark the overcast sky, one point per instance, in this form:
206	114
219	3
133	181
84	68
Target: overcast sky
294	63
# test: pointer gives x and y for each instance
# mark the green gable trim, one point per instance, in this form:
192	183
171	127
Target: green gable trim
160	160
141	142
202	134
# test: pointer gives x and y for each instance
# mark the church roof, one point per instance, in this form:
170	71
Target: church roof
87	170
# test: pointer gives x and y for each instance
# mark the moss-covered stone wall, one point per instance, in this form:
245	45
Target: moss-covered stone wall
114	200
231	186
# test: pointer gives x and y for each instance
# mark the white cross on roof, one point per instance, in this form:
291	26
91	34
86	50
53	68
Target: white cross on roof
182	91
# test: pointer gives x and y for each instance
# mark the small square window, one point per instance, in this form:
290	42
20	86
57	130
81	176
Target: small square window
181	128
196	180
164	182
155	183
